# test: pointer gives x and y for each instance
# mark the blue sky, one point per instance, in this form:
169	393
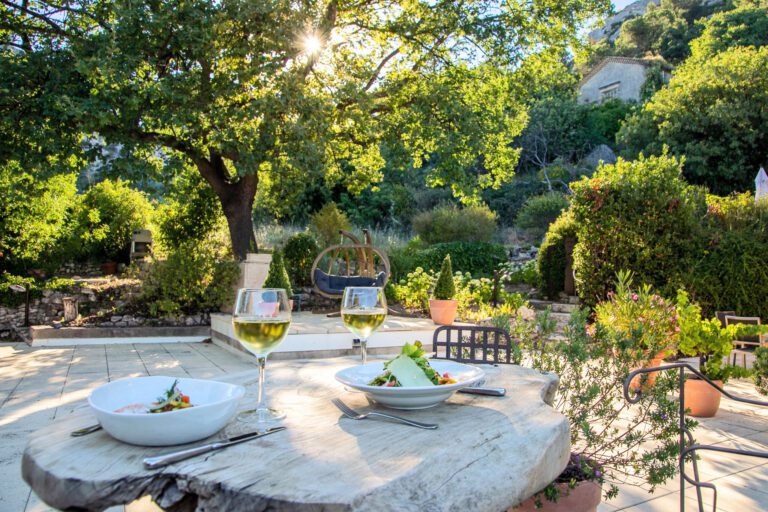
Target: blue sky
620	4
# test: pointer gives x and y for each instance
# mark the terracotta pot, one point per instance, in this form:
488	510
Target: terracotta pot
443	312
702	399
109	268
657	360
585	497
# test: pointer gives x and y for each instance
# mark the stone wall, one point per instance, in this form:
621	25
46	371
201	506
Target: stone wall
103	302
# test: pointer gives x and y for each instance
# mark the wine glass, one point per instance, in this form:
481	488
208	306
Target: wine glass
260	320
363	310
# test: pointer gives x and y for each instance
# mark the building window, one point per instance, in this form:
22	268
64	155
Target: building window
609	91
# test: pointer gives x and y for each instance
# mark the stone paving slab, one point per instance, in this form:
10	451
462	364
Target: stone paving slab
37	385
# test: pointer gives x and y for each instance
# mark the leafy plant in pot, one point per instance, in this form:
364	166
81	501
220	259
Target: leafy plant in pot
442	305
277	276
612	441
640	313
712	343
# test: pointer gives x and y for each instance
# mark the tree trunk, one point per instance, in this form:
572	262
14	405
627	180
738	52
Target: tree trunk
236	199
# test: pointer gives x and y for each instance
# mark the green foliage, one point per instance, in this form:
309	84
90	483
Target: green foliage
654	80
477	258
277	277
413	290
646	318
444	288
760	368
539	212
641	439
731	274
449	223
551	258
715	113
638	215
12	299
707	339
517	273
746	26
106	218
196	277
299	252
190	212
327	222
33	216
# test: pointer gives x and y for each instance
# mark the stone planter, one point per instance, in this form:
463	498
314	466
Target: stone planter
585	497
702	399
253	273
443	312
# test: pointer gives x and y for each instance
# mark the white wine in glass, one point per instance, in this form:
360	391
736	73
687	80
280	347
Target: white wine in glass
363	310
261	319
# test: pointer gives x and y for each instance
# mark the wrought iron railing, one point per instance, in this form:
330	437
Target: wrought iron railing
689	451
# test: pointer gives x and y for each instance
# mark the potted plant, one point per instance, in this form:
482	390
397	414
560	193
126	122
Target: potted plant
277	276
442	305
610	439
712	343
640	314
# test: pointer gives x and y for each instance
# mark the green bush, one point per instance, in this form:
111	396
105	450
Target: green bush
453	224
299	252
445	288
520	273
327	222
106	218
639	216
731	273
539	212
277	277
12	299
552	254
760	367
196	277
477	258
412	291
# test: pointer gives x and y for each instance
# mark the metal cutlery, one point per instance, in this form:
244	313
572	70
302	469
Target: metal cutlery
352	414
85	431
170	458
484	391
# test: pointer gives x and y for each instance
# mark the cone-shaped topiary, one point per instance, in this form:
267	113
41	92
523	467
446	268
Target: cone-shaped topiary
277	277
445	289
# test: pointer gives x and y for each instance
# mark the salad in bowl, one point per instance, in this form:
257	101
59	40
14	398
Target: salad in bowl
410	380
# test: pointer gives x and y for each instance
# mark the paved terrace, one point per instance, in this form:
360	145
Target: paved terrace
37	385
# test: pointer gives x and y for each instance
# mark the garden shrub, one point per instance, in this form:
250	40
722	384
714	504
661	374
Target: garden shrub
106	218
299	252
732	274
445	289
327	222
477	258
196	277
520	273
539	212
639	215
450	223
551	258
413	290
277	277
12	299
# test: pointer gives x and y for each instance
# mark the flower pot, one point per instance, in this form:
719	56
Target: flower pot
109	268
585	497
443	312
656	360
702	399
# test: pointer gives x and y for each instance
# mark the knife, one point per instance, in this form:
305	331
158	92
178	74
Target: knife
484	391
170	458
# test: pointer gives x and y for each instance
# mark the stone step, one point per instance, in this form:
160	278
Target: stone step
557	307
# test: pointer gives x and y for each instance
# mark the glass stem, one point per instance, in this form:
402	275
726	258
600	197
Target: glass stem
364	349
261	409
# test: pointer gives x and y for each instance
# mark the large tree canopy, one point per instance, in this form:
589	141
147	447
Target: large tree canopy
261	93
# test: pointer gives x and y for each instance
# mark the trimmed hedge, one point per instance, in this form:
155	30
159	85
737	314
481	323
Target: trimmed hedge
477	258
551	257
299	252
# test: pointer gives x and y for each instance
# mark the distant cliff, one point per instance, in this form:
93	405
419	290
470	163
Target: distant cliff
613	24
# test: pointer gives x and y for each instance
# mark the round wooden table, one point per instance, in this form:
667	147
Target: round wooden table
487	455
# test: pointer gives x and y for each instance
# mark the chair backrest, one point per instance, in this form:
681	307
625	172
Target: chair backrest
747	320
472	344
720	315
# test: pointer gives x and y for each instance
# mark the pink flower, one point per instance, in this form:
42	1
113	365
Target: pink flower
590	329
634	297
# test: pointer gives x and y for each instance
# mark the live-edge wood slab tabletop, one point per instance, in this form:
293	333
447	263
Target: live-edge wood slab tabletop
488	453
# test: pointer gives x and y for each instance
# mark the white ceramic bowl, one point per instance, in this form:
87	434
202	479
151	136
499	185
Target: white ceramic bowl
422	397
215	403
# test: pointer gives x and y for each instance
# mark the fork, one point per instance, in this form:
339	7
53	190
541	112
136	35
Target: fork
353	414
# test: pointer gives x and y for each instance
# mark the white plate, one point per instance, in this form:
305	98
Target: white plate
214	405
422	397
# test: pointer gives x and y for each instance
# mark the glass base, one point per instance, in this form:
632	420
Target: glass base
258	417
